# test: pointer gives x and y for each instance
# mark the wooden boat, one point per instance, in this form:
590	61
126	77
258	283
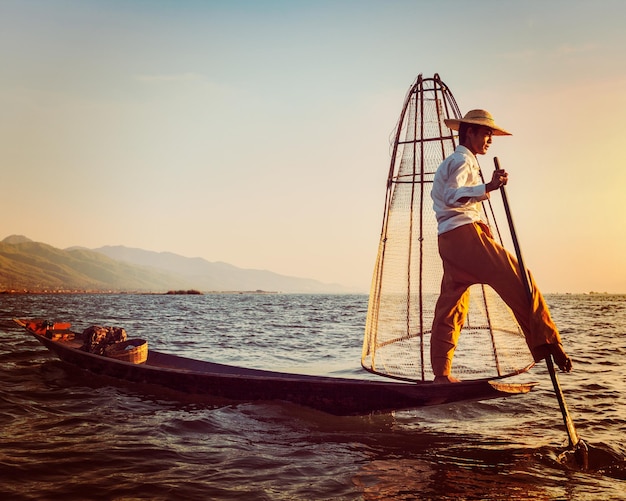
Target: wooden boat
338	396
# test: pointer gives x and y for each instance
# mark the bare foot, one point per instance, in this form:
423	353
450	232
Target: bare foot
446	379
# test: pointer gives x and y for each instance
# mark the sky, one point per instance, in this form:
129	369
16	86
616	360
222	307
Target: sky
257	133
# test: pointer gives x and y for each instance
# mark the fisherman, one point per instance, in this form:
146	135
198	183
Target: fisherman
471	256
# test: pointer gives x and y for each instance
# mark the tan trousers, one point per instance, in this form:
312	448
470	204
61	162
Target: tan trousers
471	256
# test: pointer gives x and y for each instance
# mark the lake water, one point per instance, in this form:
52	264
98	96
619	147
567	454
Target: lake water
65	434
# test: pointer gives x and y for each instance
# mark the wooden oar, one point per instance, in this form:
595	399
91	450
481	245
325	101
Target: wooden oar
575	442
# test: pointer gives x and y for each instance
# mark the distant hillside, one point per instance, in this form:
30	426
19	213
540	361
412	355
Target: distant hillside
217	276
16	239
35	266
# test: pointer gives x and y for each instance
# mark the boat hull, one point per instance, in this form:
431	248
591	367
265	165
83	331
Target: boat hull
338	396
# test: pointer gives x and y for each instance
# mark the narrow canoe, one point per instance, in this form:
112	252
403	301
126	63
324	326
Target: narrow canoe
338	396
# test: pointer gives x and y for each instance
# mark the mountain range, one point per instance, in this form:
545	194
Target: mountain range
36	266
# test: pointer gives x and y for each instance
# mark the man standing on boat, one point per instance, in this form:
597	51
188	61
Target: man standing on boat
471	256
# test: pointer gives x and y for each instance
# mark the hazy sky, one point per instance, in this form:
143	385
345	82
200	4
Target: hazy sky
257	132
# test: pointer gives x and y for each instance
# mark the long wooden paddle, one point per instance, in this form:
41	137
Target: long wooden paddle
581	452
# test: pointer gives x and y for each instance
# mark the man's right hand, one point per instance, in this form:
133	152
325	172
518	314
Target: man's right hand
499	178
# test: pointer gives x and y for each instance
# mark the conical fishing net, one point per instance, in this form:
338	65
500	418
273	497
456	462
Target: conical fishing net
408	271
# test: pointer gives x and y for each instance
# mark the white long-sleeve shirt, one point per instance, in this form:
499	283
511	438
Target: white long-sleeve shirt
458	177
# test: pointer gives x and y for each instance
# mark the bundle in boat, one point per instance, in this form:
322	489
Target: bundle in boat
97	338
408	271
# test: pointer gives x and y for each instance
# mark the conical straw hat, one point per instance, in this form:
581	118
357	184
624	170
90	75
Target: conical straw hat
477	117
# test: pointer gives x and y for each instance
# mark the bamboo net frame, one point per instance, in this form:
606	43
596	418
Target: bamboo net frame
408	270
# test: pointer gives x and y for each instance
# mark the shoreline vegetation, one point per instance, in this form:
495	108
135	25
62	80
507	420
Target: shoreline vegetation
196	292
129	292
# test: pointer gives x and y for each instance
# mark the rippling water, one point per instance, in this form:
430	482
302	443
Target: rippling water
68	435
